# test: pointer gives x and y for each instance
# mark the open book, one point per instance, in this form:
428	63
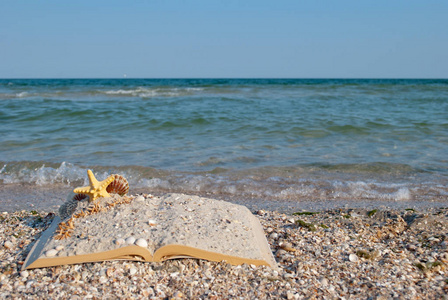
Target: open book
155	229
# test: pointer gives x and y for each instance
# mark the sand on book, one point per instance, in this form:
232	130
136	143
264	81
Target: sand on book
170	226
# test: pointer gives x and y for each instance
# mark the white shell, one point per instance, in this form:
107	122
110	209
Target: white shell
353	257
139	198
24	274
152	222
142	243
8	245
120	241
130	240
51	253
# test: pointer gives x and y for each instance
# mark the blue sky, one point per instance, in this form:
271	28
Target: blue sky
196	38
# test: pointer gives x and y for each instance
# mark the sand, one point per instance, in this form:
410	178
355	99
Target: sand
329	254
173	219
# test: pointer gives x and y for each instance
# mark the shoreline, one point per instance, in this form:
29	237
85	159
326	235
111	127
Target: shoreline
338	253
18	197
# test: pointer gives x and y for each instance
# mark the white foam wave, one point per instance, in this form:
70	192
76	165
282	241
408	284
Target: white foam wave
153	183
274	188
153	92
22	94
14	96
299	190
65	173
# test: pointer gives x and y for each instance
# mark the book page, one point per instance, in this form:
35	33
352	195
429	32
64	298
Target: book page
174	219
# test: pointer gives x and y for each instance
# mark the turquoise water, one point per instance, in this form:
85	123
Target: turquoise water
263	138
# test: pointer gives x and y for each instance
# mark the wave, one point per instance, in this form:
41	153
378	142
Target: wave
153	92
269	183
85	93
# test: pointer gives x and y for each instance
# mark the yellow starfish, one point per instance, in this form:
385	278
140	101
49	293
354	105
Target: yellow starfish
96	189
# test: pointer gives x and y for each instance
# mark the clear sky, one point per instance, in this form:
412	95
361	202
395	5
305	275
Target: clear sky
227	38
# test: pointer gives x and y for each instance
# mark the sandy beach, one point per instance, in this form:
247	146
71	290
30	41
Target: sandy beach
329	254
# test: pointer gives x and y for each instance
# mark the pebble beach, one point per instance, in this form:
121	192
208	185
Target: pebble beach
329	254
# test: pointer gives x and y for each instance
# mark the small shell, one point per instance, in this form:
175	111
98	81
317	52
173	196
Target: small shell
80	197
130	240
353	258
68	208
288	247
119	186
139	198
142	243
51	253
152	222
8	245
120	241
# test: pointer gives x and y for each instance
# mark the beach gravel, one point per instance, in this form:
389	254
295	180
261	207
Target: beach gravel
335	254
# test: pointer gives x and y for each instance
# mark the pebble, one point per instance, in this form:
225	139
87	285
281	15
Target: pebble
103	279
130	240
141	242
59	247
274	235
178	294
444	257
323	270
324	281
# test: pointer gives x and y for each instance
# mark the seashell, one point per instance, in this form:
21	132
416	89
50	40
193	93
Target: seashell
139	198
51	253
68	208
353	258
152	222
288	247
142	243
80	197
24	274
130	240
120	241
119	186
8	245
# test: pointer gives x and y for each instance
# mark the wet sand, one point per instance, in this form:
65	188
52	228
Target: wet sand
16	197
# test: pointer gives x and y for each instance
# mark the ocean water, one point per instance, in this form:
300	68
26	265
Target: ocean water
270	141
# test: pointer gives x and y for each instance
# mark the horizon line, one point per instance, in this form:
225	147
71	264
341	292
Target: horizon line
227	78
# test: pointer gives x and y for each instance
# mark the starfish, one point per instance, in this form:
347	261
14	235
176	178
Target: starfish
96	189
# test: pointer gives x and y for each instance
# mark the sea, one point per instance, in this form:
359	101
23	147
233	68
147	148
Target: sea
280	144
